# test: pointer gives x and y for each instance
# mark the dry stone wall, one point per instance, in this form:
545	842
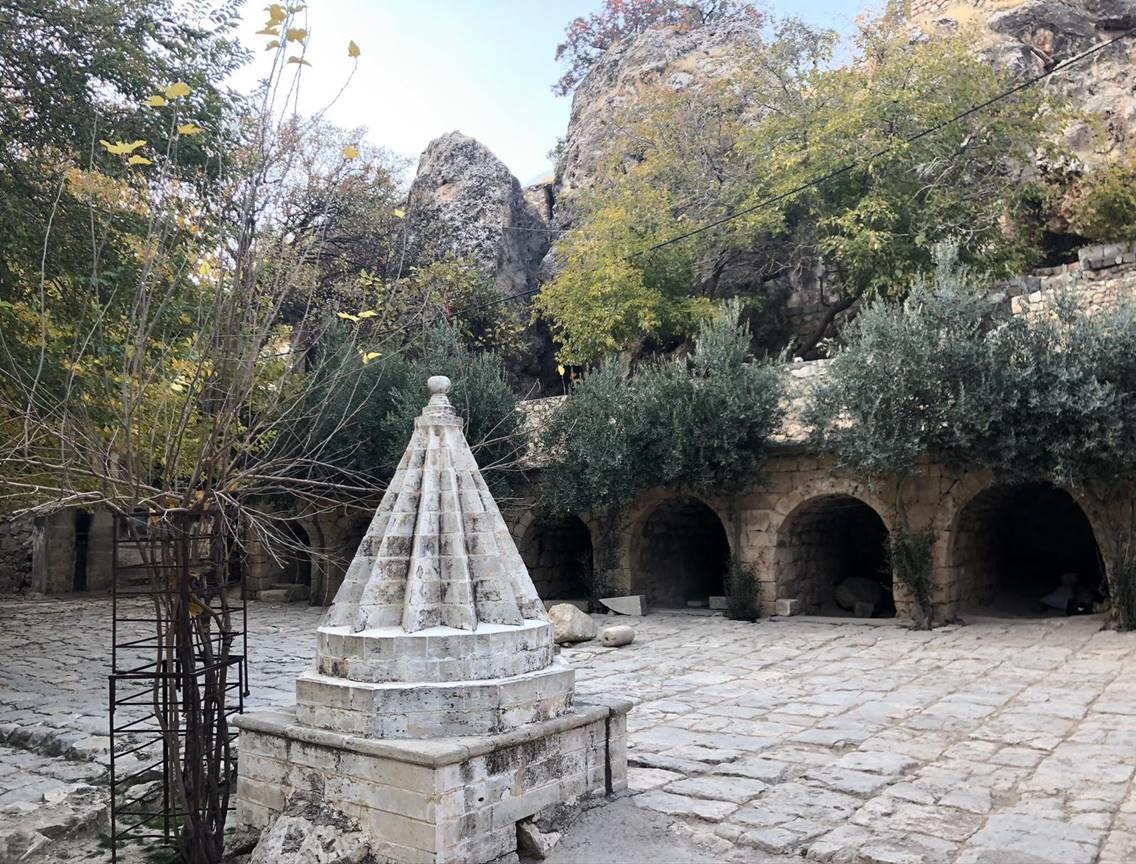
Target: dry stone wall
1102	277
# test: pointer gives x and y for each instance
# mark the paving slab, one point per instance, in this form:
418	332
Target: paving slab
1000	740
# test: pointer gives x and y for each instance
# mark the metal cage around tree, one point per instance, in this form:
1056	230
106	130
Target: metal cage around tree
177	677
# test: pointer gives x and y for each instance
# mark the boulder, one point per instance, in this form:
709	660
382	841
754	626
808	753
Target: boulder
533	842
569	624
312	833
859	591
614	637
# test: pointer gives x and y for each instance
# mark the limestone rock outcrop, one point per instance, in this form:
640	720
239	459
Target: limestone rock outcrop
1032	36
465	203
679	58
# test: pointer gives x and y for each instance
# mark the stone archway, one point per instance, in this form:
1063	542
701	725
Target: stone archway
559	557
829	541
296	565
683	552
1013	547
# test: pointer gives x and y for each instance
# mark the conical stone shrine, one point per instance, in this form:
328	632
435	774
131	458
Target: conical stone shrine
437	714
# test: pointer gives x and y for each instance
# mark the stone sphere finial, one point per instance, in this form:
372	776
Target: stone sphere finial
438	384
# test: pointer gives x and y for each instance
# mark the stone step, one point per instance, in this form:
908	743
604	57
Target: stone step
284	594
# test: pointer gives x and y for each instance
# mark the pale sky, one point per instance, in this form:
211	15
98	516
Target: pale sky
482	67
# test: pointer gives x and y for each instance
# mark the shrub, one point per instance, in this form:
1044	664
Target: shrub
909	558
701	421
1042	398
742	592
1104	205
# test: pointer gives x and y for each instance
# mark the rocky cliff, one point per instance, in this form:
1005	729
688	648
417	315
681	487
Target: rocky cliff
1033	36
678	58
465	202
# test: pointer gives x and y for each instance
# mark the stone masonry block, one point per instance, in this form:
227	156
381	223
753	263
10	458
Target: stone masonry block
788	606
443	800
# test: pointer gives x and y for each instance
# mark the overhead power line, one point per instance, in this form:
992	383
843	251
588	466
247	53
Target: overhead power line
824	178
844	169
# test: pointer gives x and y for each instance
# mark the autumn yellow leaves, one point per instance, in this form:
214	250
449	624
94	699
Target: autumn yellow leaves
281	19
175	91
281	23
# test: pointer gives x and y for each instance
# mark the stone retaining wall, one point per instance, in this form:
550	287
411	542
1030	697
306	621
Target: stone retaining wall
1101	277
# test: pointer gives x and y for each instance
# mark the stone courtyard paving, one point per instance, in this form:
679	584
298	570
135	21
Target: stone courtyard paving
999	742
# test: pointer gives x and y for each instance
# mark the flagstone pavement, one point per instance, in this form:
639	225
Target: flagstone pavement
994	742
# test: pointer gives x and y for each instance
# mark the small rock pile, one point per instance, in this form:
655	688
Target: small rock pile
571	625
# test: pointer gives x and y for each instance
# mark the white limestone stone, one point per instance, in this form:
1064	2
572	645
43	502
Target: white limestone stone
570	624
615	637
787	606
633	604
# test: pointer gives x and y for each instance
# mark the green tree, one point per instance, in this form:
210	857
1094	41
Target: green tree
784	118
1042	398
702	421
371	406
72	73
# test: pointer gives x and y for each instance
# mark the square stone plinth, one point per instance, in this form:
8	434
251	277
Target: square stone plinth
427	711
436	800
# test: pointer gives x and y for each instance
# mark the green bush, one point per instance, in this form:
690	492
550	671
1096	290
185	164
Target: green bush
701	421
742	592
909	558
371	406
1042	398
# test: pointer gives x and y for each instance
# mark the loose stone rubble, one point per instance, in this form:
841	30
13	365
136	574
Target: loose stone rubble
985	743
570	624
618	636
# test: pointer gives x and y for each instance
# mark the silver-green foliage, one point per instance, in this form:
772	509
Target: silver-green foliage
702	421
1044	398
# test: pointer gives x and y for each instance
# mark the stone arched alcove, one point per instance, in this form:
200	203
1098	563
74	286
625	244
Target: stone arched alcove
825	540
560	557
296	554
678	550
1010	546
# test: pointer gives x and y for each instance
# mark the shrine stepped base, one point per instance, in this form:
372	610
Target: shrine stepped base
437	801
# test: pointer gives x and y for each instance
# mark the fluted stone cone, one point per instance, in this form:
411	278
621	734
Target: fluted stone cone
438	552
